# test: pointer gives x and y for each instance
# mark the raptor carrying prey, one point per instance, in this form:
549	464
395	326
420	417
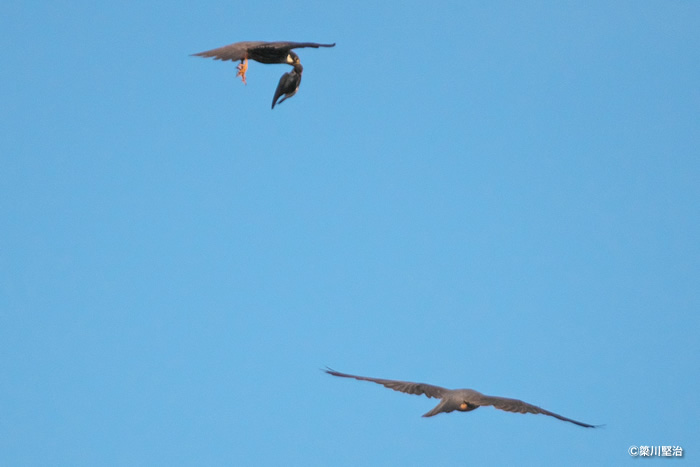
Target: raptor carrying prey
266	52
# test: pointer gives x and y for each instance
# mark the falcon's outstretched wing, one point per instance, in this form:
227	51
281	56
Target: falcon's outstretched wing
518	406
261	51
401	386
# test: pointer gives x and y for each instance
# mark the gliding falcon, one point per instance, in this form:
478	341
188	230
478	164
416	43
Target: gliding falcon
260	51
463	400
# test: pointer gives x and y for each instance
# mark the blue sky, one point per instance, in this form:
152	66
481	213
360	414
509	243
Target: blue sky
500	196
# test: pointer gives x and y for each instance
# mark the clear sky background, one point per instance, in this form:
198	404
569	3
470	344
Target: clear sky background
502	196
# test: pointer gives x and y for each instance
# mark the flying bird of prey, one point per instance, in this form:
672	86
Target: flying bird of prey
464	400
288	85
260	51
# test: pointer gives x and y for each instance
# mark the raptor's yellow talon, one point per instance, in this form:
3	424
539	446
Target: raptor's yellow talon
242	68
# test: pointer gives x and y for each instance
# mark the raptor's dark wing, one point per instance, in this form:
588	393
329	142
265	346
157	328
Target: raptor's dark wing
287	46
518	406
401	386
252	49
233	52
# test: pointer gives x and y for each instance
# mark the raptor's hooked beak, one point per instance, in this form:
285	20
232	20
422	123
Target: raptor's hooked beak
292	59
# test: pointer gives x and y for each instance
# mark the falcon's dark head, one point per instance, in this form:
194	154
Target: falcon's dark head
466	407
292	58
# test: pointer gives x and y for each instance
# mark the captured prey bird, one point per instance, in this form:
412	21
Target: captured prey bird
260	51
463	400
288	85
